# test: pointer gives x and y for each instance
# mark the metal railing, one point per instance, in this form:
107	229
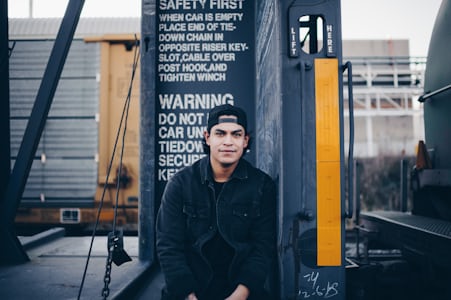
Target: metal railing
387	85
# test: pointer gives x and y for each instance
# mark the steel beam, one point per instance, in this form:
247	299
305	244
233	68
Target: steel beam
147	208
5	149
11	250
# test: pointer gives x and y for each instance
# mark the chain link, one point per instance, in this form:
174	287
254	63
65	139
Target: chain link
107	277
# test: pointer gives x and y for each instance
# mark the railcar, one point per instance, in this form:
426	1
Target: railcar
69	177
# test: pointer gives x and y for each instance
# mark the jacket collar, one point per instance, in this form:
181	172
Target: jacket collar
240	172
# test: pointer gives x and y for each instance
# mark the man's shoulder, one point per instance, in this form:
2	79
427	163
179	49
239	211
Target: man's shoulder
255	171
189	172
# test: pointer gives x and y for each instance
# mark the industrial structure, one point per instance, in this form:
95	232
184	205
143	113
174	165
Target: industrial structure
69	169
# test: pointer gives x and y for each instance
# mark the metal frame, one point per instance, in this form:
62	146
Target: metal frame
12	251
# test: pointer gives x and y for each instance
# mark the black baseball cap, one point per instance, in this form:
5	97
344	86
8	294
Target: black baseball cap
226	110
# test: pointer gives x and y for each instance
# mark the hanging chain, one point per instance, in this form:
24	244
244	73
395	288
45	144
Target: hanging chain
107	277
116	252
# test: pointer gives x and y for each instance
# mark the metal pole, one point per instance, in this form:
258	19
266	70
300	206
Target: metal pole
147	205
5	149
10	243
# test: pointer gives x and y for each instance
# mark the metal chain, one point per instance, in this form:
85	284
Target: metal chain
107	277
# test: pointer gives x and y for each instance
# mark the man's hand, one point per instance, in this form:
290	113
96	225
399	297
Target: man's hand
191	296
240	293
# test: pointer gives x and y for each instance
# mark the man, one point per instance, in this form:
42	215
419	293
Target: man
216	226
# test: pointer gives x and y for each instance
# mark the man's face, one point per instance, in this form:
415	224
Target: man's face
227	142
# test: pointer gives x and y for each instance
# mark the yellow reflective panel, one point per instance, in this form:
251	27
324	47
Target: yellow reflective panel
327	109
328	163
329	214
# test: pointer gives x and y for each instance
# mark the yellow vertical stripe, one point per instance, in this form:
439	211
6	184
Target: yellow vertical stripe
328	162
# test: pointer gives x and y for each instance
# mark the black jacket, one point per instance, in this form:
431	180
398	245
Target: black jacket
245	217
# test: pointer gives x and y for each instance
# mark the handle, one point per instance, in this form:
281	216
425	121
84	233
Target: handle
348	66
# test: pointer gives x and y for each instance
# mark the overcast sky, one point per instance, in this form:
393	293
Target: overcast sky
405	19
361	19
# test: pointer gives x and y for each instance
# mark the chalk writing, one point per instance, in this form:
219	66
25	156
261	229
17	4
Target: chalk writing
315	289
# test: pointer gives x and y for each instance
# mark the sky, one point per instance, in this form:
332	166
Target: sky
395	19
361	19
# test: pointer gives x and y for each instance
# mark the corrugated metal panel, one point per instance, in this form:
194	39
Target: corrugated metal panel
61	138
43	28
69	141
73	97
65	182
